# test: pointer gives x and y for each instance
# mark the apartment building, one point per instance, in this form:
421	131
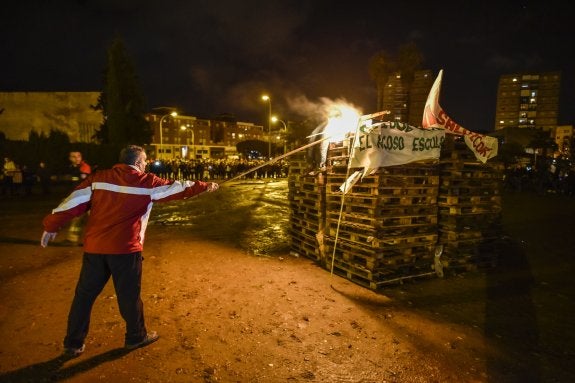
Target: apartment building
406	100
189	137
529	100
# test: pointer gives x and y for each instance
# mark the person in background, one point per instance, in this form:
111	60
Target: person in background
8	172
120	201
78	171
44	177
28	179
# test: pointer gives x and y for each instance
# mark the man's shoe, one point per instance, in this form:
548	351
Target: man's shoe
72	352
151	337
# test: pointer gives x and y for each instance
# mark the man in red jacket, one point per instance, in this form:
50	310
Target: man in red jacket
120	200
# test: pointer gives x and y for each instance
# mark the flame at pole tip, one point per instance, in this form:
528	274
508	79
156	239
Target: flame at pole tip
342	118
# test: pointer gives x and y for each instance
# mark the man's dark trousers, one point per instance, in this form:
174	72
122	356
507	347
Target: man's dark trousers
126	272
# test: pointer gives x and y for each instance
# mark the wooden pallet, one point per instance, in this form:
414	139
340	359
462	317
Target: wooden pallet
305	245
469	209
378	217
310	208
381	215
376	279
357	233
360	201
359	189
447	200
446	183
311	196
454	236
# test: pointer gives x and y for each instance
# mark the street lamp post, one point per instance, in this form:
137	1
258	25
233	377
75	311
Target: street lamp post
185	129
275	119
173	114
269	100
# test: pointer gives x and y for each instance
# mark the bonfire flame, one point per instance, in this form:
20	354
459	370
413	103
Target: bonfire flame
342	118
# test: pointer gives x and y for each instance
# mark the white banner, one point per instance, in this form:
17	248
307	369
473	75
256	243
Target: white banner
394	143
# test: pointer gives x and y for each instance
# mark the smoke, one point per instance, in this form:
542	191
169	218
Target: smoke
321	110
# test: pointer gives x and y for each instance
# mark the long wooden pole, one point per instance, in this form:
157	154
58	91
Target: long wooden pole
276	159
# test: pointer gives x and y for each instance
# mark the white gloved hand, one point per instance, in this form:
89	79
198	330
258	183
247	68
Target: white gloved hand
212	186
47	237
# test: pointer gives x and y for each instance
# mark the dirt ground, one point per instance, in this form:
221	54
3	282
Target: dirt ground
225	314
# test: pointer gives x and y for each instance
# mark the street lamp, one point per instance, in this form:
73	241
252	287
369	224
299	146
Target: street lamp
275	119
185	129
269	100
173	114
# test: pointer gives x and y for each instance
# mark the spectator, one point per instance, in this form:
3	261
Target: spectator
44	177
78	171
8	172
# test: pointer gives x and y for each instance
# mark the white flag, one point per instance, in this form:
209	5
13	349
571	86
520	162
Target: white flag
484	147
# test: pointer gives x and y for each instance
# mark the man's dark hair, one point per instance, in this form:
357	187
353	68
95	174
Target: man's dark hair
129	155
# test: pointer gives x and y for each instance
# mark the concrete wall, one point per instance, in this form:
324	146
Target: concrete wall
69	112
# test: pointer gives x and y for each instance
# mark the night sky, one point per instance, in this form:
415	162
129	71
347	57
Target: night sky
219	56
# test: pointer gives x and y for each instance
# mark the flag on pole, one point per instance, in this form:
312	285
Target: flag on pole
484	147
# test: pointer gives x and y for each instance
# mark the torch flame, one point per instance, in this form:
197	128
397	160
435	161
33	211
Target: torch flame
342	118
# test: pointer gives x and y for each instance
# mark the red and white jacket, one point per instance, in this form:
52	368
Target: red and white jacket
120	201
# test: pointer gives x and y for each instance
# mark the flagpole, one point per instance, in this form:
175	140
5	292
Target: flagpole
344	192
277	159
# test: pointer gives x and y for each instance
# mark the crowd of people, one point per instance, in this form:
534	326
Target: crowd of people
548	177
21	179
216	169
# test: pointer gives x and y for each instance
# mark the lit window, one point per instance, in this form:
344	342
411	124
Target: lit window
502	122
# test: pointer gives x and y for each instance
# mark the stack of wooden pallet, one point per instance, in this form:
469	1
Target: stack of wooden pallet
469	207
306	194
388	222
389	225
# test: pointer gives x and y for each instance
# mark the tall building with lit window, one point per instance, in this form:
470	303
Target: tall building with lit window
528	100
420	87
406	101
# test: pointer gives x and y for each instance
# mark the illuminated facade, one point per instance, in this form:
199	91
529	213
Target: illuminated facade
69	112
189	137
407	101
528	101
